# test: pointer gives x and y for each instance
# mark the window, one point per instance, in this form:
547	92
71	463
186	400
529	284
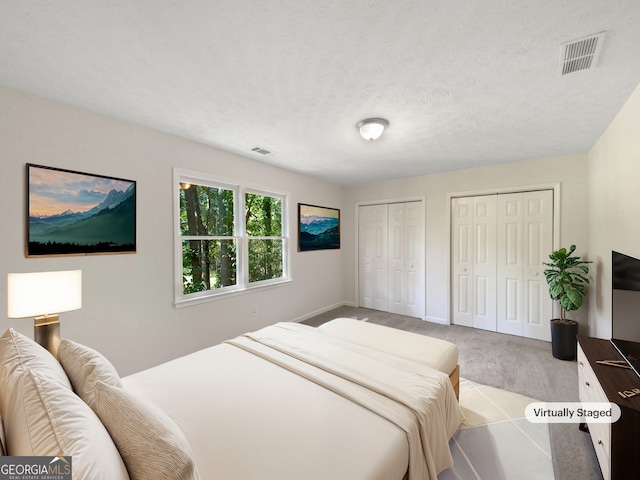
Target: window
209	246
263	214
220	250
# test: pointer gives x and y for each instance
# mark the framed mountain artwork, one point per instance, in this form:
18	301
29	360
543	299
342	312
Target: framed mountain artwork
318	228
75	213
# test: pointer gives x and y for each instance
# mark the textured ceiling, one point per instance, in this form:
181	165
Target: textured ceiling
463	83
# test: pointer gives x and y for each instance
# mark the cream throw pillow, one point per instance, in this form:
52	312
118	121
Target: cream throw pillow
151	444
42	415
18	354
84	367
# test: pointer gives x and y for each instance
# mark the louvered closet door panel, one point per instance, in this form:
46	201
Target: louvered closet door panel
462	259
484	265
538	242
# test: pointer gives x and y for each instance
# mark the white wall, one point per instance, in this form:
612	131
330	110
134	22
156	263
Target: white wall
614	222
571	172
128	311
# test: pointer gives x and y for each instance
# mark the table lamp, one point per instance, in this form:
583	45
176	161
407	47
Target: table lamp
43	295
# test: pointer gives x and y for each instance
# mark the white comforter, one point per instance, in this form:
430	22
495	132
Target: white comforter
364	415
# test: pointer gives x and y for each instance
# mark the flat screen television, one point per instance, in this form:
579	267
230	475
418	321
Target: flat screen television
625	307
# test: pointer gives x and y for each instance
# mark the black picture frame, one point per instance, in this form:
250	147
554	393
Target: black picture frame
318	228
77	213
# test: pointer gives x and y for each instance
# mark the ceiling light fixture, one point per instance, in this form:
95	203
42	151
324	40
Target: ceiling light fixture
372	128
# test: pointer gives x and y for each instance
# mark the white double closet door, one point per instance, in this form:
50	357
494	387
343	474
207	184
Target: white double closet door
391	258
499	244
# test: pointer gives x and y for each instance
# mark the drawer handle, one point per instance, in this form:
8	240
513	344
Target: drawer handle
587	384
581	363
600	442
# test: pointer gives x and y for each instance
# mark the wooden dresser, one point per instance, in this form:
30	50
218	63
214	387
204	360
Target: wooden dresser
617	445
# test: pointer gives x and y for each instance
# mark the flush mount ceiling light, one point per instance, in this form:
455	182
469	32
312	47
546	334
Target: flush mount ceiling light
372	128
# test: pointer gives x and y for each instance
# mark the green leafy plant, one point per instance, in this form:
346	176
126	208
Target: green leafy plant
567	280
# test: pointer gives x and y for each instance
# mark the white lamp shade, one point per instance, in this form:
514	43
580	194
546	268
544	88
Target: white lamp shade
372	128
43	293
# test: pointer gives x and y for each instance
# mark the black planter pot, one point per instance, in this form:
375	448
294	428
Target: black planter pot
564	344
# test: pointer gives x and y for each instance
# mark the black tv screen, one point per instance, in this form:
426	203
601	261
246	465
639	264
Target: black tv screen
625	307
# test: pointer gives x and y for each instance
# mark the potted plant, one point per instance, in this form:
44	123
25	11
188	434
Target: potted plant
567	280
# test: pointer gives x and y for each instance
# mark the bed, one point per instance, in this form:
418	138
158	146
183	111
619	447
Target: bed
286	402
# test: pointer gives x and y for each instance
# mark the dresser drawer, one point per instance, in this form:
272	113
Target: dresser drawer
590	390
601	438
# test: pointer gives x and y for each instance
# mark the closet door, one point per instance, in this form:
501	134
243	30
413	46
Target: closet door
373	257
462	261
474	261
484	267
510	266
525	238
391	258
538	243
406	259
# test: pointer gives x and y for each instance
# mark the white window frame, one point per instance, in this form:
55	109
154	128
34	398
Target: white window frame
240	190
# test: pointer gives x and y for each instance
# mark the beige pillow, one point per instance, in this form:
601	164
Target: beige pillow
19	353
84	367
42	415
150	442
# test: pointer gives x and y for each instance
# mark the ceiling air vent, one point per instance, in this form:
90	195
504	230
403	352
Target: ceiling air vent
580	54
261	151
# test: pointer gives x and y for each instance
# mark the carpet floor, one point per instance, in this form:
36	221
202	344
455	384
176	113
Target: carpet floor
506	362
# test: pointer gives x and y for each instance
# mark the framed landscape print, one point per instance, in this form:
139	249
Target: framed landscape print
75	213
318	228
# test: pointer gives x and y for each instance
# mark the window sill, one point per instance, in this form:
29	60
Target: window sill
233	293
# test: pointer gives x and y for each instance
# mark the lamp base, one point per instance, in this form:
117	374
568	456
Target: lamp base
46	332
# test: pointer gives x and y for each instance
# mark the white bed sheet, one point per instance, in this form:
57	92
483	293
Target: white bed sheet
418	399
248	419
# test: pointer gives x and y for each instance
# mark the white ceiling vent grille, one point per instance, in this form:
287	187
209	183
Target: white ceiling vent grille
262	151
580	54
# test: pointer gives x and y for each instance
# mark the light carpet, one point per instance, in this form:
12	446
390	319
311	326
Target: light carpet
496	441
